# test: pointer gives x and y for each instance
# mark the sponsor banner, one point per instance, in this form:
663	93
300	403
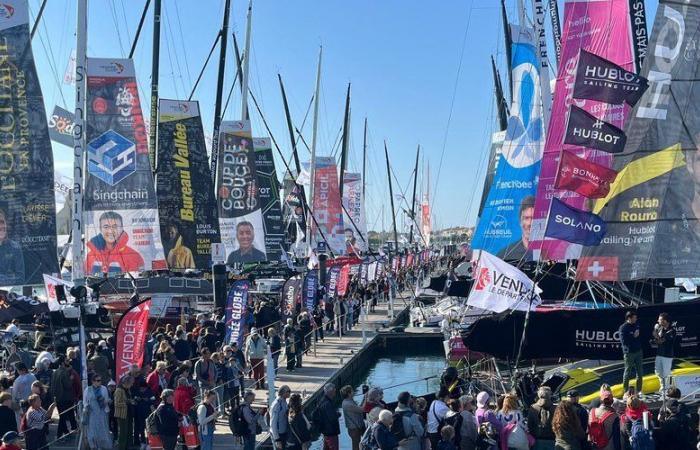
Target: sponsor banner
426	225
69	74
240	216
269	192
310	289
395	262
640	38
186	202
122	232
131	333
499	286
504	225
574	225
652	210
556	27
586	130
61	125
364	273
410	260
403	261
602	80
353	202
372	271
332	288
342	260
601	27
27	209
13	306
236	307
51	283
326	206
581	334
584	177
343	280
291	295
293	204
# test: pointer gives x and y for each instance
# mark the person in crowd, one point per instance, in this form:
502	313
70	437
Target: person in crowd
16	355
413	430
62	388
275	343
453	418
325	418
675	431
632	424
45	356
573	397
238	362
353	416
299	346
288	333
166	354
485	417
123	411
158	379
255	353
168	420
299	436
468	431
206	418
250	417
205	371
539	419
279	421
317	316
450	379
664	335
43	372
374	398
514	430
631	341
8	420
22	386
604	424
144	401
10	441
566	426
436	416
381	431
37	419
98	363
329	309
184	396
447	436
306	330
182	348
96	413
223	378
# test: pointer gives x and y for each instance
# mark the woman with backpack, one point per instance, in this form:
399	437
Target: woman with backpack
436	416
454	419
299	436
168	420
634	436
514	431
569	434
407	425
206	417
604	424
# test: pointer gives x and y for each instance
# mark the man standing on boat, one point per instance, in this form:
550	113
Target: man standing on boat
664	337
631	350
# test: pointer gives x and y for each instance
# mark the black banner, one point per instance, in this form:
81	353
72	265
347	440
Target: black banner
189	221
602	80
586	130
61	125
580	334
269	189
640	37
13	306
27	209
291	296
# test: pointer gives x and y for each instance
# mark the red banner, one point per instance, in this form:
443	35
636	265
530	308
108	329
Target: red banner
409	260
343	260
131	337
343	280
583	177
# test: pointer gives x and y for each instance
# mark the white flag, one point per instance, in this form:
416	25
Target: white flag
69	75
498	286
50	284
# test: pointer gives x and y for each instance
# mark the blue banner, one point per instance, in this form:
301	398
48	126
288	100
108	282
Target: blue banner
236	307
310	289
504	226
574	225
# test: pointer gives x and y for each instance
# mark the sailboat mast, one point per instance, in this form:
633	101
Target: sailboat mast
155	65
313	145
344	147
413	199
246	63
290	127
391	197
509	46
220	89
364	162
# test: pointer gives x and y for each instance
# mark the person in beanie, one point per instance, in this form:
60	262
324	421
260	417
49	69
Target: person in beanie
326	417
168	420
539	419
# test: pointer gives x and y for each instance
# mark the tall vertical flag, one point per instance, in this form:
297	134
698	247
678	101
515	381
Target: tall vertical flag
123	231
235	315
326	205
27	209
269	191
602	27
353	202
186	200
131	332
504	227
240	214
310	290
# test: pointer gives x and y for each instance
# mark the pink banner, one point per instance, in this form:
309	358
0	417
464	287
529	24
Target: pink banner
131	337
601	27
343	279
327	207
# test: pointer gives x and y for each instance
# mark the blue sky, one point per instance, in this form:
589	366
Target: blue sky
402	58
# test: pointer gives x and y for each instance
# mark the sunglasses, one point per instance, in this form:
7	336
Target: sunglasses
97	380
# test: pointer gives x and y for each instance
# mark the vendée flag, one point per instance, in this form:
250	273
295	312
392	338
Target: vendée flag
236	306
603	80
574	225
131	337
584	177
499	286
586	130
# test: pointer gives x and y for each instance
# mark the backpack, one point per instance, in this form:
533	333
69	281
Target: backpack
153	422
456	422
397	428
441	422
237	423
596	429
640	437
368	441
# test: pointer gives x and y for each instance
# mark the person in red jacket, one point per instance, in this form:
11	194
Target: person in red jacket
158	379
10	441
108	251
184	396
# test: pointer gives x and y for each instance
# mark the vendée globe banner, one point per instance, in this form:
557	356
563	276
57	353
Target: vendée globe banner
27	209
602	27
504	227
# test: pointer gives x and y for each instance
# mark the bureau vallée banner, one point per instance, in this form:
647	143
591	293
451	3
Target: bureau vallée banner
27	209
122	232
354	214
240	216
186	198
327	207
603	28
269	191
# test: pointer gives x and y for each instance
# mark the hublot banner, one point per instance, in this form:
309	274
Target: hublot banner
586	130
602	80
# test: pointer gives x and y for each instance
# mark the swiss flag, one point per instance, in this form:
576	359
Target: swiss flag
600	268
584	177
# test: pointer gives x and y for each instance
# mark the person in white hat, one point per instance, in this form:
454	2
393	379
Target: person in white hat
255	352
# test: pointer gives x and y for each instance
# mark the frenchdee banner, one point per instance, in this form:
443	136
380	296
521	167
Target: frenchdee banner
123	231
27	209
269	191
132	329
240	216
186	199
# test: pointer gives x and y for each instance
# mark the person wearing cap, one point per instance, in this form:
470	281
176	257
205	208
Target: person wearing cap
255	352
484	414
675	431
610	422
631	341
10	441
573	396
539	419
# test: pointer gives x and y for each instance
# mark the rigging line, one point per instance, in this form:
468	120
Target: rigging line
37	20
336	143
454	96
182	42
51	59
230	92
139	28
170	59
303	122
126	22
206	62
482	161
169	30
115	19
